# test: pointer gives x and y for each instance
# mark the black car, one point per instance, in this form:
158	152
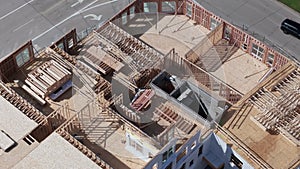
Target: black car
290	27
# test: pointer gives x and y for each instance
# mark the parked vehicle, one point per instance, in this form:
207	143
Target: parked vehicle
290	27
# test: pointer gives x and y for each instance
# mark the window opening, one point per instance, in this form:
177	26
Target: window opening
257	51
213	23
23	57
183	166
167	154
227	33
237	162
124	18
168	6
270	59
169	166
131	12
70	43
200	150
245	44
60	45
189	10
150	7
155	166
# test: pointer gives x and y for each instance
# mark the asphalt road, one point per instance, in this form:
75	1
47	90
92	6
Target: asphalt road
260	16
45	21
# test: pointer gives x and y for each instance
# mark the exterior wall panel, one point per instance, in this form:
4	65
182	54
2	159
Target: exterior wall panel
8	66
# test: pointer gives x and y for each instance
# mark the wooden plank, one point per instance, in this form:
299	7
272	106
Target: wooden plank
57	71
43	80
43	86
36	85
35	89
52	74
64	70
5	88
143	99
96	66
44	75
46	79
33	94
99	54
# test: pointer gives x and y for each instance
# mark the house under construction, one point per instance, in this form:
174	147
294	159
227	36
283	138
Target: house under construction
161	85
